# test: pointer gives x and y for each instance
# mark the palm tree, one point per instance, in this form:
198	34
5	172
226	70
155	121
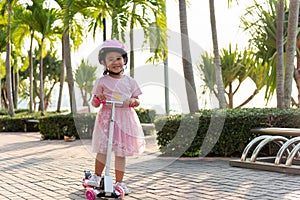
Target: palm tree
71	29
85	76
166	70
128	13
157	27
187	61
263	40
45	18
218	70
2	62
9	5
280	55
25	25
236	67
61	79
290	50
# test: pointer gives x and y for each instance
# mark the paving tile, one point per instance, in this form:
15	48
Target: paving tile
52	169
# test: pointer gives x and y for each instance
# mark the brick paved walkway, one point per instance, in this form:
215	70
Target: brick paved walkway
34	169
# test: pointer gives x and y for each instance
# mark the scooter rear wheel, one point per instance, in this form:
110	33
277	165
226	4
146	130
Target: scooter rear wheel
90	194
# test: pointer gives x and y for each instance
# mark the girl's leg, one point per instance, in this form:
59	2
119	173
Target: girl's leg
100	163
119	168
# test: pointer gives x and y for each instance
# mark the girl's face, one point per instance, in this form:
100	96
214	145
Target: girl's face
114	61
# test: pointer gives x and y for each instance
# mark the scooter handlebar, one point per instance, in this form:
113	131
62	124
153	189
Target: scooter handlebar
105	101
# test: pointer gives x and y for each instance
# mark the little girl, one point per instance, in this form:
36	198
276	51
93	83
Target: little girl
128	139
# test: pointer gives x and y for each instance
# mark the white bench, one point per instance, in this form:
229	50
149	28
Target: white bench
148	128
287	158
31	121
278	131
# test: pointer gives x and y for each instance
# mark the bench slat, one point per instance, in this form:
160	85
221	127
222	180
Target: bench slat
278	131
147	126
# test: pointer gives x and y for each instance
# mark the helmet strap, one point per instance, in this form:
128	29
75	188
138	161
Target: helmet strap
115	73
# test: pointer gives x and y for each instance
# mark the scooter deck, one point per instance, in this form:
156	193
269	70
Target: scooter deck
98	192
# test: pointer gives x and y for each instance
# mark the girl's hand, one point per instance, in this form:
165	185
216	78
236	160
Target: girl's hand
97	100
101	97
132	102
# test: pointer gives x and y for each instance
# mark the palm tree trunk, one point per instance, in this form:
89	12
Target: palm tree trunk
115	22
131	44
41	80
67	50
290	50
218	69
0	92
13	84
166	70
297	72
8	65
104	28
279	55
31	75
16	88
187	60
61	78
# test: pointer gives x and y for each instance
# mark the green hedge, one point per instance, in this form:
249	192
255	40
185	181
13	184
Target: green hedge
146	115
56	126
18	124
185	134
80	125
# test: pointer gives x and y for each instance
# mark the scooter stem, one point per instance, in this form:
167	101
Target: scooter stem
110	138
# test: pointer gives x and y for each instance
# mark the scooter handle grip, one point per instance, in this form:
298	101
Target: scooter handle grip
96	100
132	105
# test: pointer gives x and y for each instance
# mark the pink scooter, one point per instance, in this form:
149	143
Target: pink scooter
106	188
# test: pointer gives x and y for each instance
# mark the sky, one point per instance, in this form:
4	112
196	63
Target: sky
150	77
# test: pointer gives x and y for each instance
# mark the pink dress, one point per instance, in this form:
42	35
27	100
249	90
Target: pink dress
128	139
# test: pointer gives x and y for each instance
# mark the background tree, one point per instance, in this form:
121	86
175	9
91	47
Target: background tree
218	69
72	32
8	6
290	50
18	60
2	62
25	25
280	54
46	20
51	76
260	20
85	76
150	16
187	60
236	68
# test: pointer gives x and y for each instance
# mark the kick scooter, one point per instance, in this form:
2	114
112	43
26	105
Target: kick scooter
106	188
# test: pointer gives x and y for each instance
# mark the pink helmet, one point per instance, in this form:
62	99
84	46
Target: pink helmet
112	45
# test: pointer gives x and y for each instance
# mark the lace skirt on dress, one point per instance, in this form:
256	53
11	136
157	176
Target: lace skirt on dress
128	138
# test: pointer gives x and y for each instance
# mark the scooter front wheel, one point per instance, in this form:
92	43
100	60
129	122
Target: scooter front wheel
119	192
90	194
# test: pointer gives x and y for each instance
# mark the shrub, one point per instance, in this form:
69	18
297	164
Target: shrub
80	125
195	135
56	127
146	115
